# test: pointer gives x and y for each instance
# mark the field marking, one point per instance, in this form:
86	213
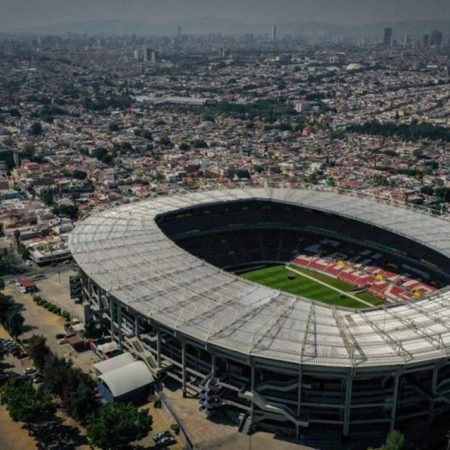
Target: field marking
346	294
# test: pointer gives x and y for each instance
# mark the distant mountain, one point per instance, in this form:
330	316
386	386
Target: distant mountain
214	25
189	26
93	27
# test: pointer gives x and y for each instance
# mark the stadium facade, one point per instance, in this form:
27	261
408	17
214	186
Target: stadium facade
288	363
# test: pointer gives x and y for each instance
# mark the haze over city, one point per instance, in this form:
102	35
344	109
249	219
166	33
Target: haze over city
24	14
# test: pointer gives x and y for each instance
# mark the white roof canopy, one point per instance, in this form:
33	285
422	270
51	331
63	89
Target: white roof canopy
127	378
125	252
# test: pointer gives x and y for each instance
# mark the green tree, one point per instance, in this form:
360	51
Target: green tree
10	315
427	190
79	174
27	404
116	425
199	143
394	441
24	253
184	147
66	210
17	237
80	402
443	193
71	385
108	159
165	141
39	351
100	153
91	331
47	197
57	375
15	324
8	262
36	129
147	134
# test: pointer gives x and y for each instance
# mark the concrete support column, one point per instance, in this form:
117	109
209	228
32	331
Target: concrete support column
119	325
183	365
299	390
299	398
136	326
394	402
213	365
252	390
348	403
158	347
434	379
111	313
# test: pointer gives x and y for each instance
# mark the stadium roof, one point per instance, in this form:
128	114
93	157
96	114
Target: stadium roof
124	251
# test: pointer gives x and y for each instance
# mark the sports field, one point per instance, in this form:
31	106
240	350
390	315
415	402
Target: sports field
277	277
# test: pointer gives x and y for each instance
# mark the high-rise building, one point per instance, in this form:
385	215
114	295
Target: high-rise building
224	52
179	32
406	41
436	39
426	40
387	39
154	56
147	54
274	33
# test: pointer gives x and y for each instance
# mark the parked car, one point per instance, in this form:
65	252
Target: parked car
157	437
39	276
29	371
4	376
20	354
10	345
37	378
166	441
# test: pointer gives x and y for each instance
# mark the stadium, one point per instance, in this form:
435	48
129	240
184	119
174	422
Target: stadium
167	278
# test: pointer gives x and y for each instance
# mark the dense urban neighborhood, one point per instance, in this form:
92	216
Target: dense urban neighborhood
90	123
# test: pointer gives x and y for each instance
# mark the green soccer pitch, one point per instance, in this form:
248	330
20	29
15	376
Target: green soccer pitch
312	285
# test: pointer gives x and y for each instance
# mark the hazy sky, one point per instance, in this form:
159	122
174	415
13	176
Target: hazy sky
30	13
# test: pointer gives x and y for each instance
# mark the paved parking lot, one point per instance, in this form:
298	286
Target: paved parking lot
55	288
40	321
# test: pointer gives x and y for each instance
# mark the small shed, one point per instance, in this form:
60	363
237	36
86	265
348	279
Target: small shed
78	344
27	285
107	350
